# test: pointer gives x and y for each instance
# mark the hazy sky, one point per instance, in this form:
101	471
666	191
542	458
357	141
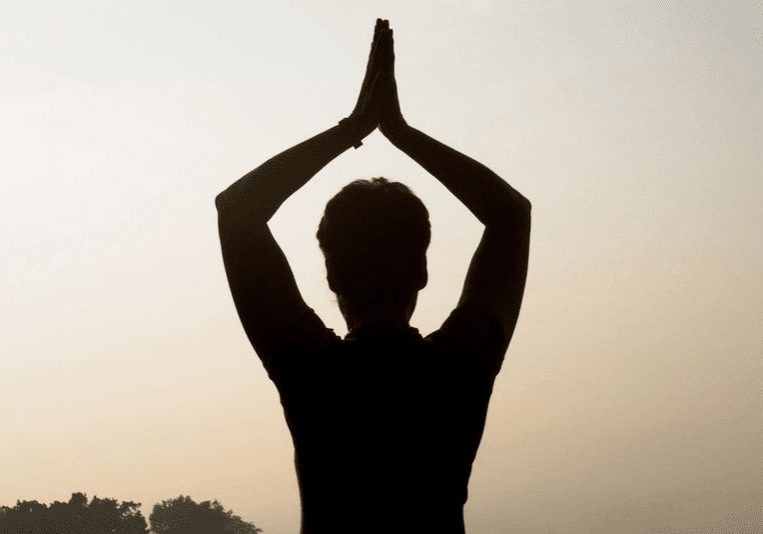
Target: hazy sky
631	397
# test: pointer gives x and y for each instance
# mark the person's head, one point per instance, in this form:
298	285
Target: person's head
374	235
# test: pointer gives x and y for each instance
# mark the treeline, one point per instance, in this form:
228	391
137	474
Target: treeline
107	516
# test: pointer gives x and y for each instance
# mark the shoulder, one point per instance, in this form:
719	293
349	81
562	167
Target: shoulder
294	346
475	332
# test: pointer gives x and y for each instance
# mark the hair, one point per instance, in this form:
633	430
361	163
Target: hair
374	235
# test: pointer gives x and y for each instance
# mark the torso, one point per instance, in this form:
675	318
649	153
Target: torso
385	430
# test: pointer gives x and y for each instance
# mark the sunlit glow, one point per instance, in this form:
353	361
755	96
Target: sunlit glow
633	127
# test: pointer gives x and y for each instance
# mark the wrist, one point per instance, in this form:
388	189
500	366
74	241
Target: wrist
395	128
356	129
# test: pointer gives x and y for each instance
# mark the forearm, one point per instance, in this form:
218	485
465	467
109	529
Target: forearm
262	191
484	193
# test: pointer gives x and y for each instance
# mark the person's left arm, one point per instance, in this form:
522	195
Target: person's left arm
262	284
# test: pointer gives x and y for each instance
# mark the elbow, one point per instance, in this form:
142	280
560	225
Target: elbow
516	205
527	210
524	205
512	214
221	200
519	207
231	207
227	202
226	211
522	215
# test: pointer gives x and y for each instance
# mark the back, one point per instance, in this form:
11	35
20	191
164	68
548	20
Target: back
386	424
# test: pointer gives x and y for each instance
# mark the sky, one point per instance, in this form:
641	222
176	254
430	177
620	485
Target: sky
631	397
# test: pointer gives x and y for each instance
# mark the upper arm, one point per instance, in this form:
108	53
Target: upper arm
496	277
264	290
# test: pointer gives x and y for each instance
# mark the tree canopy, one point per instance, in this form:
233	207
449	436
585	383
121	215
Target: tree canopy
184	516
100	516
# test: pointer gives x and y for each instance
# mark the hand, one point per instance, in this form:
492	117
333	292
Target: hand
385	89
366	113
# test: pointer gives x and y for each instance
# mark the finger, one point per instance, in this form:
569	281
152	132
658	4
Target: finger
370	65
391	52
374	46
386	56
377	31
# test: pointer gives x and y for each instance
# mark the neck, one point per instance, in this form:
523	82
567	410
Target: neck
380	315
374	323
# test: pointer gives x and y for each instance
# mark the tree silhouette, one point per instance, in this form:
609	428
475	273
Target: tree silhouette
184	516
100	516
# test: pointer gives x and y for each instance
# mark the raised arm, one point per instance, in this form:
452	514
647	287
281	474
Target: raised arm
263	286
260	193
497	273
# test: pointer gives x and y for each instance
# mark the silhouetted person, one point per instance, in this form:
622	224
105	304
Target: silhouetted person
385	423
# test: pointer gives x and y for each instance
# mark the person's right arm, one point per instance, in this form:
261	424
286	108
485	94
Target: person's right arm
261	281
496	277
